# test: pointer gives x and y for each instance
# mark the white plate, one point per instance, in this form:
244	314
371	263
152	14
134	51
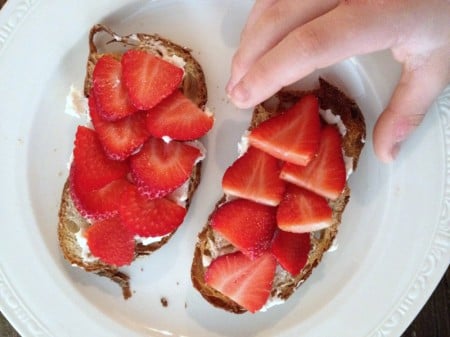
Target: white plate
394	240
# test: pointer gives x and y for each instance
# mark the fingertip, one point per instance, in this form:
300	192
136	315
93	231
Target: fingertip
230	86
417	88
238	69
385	145
390	130
388	155
240	95
393	153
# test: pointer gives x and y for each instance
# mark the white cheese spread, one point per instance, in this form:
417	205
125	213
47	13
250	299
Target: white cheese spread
86	254
77	106
219	246
148	240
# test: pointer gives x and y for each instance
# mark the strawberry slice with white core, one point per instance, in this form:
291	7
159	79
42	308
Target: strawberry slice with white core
93	168
112	96
247	225
255	176
178	118
149	218
291	250
111	242
159	167
303	211
292	136
101	203
325	174
120	138
148	78
247	282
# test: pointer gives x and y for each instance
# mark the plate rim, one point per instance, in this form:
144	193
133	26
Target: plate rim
14	308
439	247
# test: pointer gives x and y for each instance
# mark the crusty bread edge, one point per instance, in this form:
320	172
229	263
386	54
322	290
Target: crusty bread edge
70	221
329	98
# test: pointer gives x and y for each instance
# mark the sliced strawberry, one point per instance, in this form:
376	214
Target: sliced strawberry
178	118
145	217
160	167
291	250
325	174
247	282
112	97
292	136
303	211
255	176
120	138
111	242
100	203
94	168
148	78
248	225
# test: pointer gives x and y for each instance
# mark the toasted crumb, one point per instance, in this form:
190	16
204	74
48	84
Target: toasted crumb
164	302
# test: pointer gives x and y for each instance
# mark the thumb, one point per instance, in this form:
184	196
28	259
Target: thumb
415	92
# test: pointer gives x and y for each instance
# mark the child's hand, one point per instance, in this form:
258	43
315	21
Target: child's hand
286	40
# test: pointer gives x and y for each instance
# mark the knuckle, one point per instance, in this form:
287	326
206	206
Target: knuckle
262	76
238	62
276	15
262	70
411	119
403	124
415	119
307	42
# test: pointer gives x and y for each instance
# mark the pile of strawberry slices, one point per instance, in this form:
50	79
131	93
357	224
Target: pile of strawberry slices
278	191
123	172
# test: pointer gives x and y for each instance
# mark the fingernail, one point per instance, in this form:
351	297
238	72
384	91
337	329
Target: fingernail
240	94
230	85
395	150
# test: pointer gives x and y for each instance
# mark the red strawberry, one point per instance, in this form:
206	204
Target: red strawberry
93	168
145	217
160	167
292	136
325	174
247	282
120	138
179	118
303	211
112	97
249	226
148	78
291	250
111	242
255	176
100	203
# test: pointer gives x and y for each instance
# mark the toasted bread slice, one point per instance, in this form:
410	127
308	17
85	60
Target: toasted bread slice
193	86
210	244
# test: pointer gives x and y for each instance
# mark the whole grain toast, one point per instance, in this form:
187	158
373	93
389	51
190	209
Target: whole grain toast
193	86
210	242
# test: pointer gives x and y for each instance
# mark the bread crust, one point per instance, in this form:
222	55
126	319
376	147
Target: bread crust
193	86
284	284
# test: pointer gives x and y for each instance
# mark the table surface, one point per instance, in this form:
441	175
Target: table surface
432	321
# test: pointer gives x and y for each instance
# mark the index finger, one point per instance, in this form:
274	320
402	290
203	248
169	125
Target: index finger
258	8
270	28
345	31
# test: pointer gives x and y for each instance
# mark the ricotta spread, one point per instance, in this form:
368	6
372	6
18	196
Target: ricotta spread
77	107
219	246
86	254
